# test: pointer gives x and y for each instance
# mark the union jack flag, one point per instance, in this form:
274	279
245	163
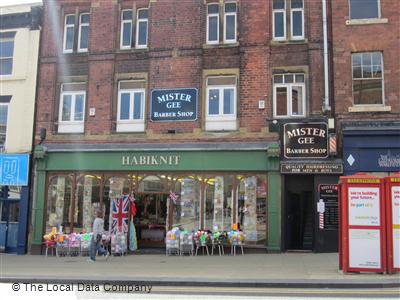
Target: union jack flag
119	214
172	196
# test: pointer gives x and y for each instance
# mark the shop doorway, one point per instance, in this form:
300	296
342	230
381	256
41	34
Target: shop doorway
150	220
299	214
9	213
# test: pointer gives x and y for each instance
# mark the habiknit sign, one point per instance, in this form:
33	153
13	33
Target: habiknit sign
305	140
173	105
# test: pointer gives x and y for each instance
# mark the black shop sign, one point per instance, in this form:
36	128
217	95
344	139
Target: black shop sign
305	140
173	105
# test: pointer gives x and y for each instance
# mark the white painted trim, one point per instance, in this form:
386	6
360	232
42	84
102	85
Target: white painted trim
226	41
208	26
274	11
71	125
121	39
302	24
137	29
66	26
80	33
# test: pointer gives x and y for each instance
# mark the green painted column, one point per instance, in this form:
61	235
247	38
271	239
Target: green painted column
38	207
274	200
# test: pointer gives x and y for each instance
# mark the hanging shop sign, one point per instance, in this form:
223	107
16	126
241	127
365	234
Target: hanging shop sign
173	105
311	168
14	169
305	140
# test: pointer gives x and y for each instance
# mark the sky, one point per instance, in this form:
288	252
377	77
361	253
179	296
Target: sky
16	2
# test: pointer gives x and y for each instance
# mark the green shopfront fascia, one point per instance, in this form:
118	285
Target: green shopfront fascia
215	189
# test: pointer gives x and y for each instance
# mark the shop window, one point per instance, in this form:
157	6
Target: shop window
186	209
228	23
279	21
3	124
6	52
83	38
221	103
134	36
131	103
87	202
289	95
367	70
59	203
252	208
364	9
72	108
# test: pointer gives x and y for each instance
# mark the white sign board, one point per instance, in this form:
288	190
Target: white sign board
364	248
396	225
321	206
364	206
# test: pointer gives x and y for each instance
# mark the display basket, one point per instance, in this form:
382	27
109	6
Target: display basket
118	244
74	244
62	245
186	243
172	242
85	239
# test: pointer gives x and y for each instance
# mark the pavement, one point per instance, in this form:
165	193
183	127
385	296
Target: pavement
298	270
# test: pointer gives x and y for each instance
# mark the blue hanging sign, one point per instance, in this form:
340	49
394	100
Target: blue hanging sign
14	169
173	105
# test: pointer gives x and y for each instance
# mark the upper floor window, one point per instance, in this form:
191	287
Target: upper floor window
228	23
3	124
69	33
83	39
134	36
131	104
72	108
221	103
364	9
279	21
297	19
6	52
367	78
142	28
289	95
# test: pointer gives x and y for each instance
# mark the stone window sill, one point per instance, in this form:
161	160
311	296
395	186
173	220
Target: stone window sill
220	45
369	108
366	21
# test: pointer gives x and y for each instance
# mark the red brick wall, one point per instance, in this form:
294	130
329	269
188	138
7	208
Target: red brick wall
176	59
366	38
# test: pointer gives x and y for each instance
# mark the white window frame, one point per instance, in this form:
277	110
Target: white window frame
123	22
379	12
373	78
221	121
283	10
289	87
71	126
3	147
131	125
80	32
9	39
208	25
292	10
66	26
137	28
226	41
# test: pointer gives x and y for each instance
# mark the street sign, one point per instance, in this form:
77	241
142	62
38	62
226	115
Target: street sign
14	169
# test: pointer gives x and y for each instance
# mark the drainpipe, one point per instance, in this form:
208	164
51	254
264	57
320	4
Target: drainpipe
326	107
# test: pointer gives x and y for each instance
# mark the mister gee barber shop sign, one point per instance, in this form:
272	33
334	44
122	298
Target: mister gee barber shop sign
173	105
305	140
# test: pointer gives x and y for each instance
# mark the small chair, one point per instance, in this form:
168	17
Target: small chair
202	245
52	245
236	243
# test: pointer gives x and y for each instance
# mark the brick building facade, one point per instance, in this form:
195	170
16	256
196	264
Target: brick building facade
366	61
249	65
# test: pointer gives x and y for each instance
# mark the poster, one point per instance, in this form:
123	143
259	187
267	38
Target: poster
328	193
364	248
396	225
364	206
190	194
250	208
218	222
56	218
87	204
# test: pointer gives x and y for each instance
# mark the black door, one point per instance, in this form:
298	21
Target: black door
299	215
9	213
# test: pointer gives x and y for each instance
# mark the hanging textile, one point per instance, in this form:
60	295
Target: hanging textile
132	229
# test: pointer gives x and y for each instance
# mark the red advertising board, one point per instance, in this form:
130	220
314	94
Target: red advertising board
362	225
392	186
